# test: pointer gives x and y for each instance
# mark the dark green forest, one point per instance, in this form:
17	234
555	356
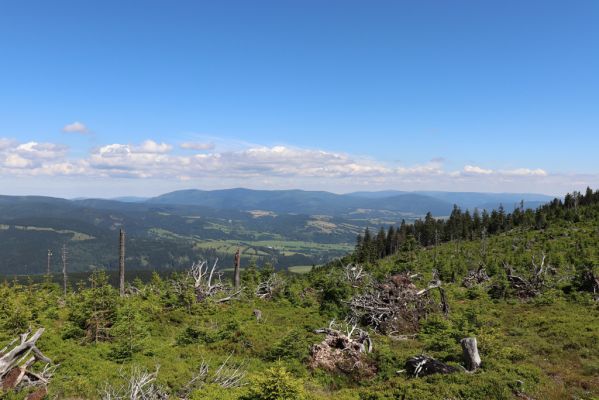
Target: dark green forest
386	321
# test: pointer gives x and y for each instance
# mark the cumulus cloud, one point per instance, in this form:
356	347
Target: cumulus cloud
276	166
35	158
472	169
75	127
199	146
525	172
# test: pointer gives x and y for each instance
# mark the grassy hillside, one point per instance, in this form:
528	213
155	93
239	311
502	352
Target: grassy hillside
542	347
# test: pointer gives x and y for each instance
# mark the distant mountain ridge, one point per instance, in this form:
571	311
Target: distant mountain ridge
320	202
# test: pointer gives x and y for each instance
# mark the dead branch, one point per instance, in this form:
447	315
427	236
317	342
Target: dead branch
207	283
531	285
16	364
269	287
140	385
227	376
355	274
475	277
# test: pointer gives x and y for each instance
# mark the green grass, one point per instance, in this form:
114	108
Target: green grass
300	269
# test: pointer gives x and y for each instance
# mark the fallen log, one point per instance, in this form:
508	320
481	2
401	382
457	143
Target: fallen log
425	365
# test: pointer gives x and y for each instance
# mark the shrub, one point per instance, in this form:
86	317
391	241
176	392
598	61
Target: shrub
276	384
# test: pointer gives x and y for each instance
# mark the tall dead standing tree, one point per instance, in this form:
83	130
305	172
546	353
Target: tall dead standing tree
122	262
237	277
64	269
49	262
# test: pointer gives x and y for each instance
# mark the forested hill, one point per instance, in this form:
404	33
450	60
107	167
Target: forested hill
464	225
285	228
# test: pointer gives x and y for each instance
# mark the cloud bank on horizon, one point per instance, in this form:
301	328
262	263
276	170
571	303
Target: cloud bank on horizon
204	165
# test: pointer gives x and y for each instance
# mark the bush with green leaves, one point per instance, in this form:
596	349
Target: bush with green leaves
276	384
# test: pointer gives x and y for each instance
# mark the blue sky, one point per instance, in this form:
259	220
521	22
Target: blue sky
336	95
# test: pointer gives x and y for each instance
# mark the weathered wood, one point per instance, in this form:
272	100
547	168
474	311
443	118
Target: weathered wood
64	269
470	353
237	276
15	365
258	314
425	365
122	262
476	277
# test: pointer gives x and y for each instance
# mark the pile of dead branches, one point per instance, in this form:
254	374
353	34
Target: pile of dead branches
207	283
343	350
531	285
475	277
396	305
17	363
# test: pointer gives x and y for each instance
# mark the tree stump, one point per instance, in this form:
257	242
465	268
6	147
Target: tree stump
470	353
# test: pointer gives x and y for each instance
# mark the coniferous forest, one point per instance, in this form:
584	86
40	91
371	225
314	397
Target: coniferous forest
488	305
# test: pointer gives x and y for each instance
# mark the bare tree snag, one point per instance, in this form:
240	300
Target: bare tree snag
122	262
64	269
207	283
237	276
470	353
16	364
49	262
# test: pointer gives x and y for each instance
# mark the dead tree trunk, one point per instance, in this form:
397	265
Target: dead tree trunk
470	353
49	262
64	269
237	277
122	262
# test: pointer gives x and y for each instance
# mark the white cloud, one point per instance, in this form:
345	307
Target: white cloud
264	166
16	161
525	172
41	151
472	169
200	146
75	127
150	146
